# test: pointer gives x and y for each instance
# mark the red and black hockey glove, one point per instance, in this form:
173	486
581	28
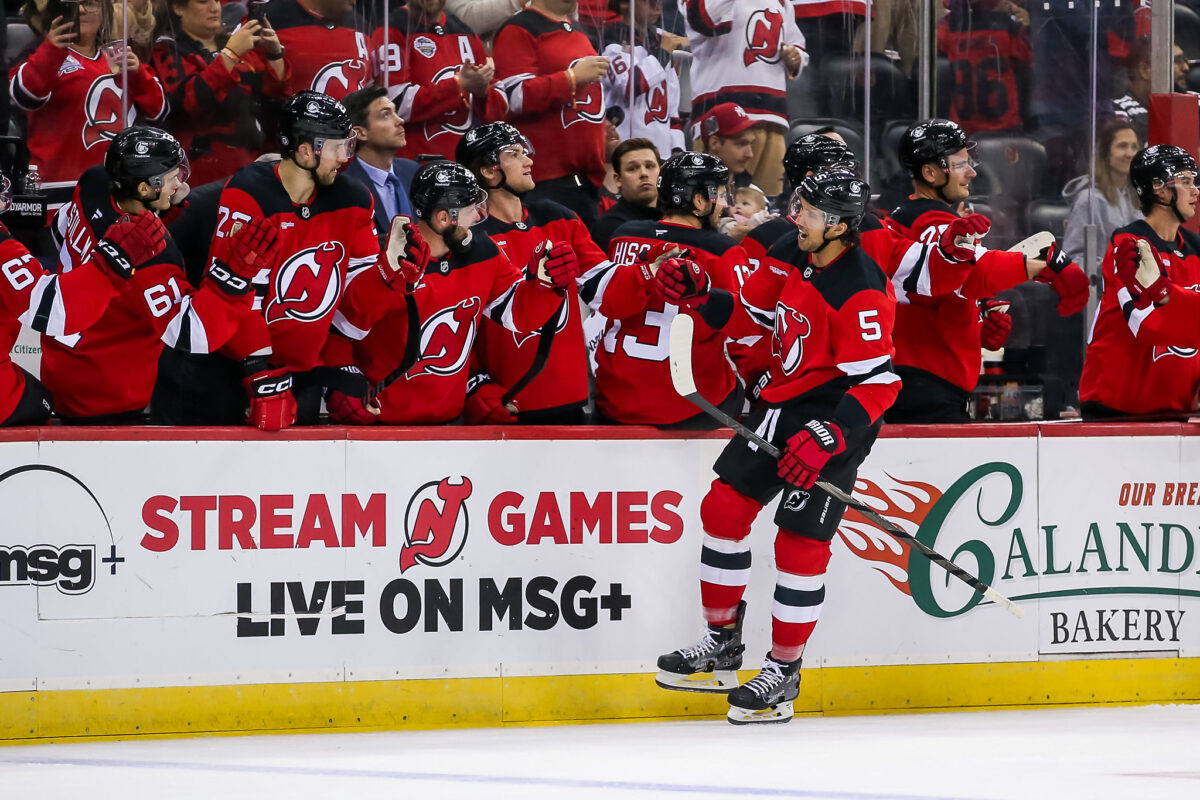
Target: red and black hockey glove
248	249
682	281
348	403
130	243
997	323
556	265
809	451
272	404
1066	279
1140	273
404	255
961	236
485	403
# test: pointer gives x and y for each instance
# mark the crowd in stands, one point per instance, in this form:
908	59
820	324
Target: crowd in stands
562	115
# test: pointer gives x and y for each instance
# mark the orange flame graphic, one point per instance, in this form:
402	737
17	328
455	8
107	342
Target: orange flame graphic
906	509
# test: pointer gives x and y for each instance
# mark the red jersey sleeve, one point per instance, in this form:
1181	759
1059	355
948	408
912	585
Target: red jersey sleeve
251	336
515	55
34	80
57	305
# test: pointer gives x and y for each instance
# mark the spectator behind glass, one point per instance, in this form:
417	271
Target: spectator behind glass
1110	204
326	49
725	133
484	16
635	164
380	136
216	84
72	95
985	41
552	76
139	27
1134	105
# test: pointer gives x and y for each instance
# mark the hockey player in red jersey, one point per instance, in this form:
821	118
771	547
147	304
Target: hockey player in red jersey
59	305
326	238
830	314
938	338
439	75
418	351
1143	357
325	45
106	374
633	382
556	389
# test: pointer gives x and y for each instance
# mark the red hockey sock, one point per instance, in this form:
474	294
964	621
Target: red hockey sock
726	517
799	592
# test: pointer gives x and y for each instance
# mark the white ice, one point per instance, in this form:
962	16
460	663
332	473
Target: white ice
1147	753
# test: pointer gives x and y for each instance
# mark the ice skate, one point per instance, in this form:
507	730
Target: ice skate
710	665
768	696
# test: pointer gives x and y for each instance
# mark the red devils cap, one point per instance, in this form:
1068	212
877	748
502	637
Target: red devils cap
726	119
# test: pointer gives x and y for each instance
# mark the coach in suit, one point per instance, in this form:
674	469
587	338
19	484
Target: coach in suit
380	135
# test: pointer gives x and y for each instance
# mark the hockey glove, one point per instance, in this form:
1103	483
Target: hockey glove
997	323
404	244
272	404
1139	272
248	249
809	451
960	238
130	243
485	404
1066	279
348	405
558	268
682	282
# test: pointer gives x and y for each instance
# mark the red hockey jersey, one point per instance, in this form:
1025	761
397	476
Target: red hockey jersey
74	105
1147	361
324	55
419	62
939	331
323	246
506	356
633	376
986	48
532	53
110	367
451	300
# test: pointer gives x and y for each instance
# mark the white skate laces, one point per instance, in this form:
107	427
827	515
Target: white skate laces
768	680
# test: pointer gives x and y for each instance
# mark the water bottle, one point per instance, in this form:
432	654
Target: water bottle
33	181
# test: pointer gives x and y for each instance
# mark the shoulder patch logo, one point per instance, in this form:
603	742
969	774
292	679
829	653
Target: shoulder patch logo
425	46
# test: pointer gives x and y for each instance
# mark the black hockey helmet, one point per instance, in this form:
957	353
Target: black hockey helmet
312	117
142	153
839	193
811	152
931	141
446	185
1158	164
481	146
684	174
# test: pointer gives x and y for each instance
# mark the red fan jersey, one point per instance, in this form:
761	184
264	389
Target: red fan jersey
506	356
323	245
451	300
110	367
324	55
215	109
937	327
420	62
1147	361
532	54
986	47
74	105
633	376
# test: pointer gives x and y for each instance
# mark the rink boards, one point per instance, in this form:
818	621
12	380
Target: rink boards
153	583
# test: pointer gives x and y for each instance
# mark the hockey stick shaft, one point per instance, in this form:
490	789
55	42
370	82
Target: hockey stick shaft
681	375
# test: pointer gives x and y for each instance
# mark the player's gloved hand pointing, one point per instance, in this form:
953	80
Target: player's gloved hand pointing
1066	278
682	281
130	243
809	451
997	323
1139	272
272	404
247	250
961	237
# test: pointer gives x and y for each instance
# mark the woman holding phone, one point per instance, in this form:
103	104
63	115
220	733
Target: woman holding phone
217	83
74	96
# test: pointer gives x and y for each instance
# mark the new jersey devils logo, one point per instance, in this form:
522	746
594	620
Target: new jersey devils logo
435	523
456	120
102	109
341	77
656	103
791	329
564	314
308	285
446	339
764	32
1162	351
588	107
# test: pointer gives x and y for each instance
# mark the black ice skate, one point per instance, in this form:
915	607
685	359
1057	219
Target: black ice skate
768	696
710	665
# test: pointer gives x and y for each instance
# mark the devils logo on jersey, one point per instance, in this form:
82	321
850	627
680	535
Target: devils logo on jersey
446	339
309	284
102	106
1162	351
764	32
791	329
656	104
456	120
588	105
341	77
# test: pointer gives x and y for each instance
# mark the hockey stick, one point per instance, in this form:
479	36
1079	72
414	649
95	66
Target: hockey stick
685	384
545	333
1033	246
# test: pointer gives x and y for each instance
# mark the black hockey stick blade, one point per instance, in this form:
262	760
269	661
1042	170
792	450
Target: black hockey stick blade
682	328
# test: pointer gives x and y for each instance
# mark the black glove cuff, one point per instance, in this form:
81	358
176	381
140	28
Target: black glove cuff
226	281
115	257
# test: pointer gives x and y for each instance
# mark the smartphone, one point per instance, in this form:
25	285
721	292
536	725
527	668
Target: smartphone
69	11
257	11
